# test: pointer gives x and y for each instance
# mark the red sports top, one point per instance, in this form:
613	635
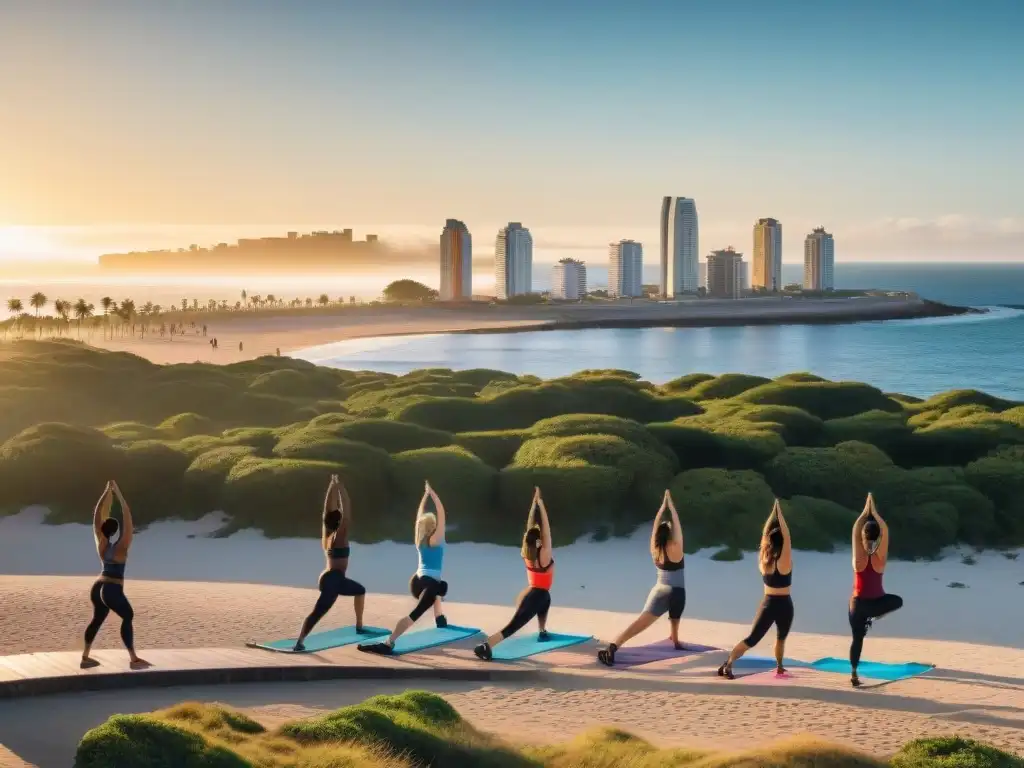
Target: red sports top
541	578
867	583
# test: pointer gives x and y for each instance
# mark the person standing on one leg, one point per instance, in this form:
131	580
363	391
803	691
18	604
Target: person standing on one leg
107	593
669	594
869	600
775	562
334	582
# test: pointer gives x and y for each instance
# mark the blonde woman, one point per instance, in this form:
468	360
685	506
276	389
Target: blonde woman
535	601
426	584
107	593
869	600
776	565
669	594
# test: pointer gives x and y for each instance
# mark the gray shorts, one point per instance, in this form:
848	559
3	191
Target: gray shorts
664	598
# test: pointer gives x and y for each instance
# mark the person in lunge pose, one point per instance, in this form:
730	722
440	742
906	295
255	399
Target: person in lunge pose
333	581
776	565
426	584
669	593
107	593
535	601
869	600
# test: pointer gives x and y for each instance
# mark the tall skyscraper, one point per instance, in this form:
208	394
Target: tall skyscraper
625	268
569	280
456	261
725	274
819	261
767	255
679	247
513	261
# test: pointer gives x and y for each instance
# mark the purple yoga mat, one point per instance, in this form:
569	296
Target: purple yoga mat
663	649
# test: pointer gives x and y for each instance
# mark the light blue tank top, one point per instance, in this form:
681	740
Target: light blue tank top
111	569
431	560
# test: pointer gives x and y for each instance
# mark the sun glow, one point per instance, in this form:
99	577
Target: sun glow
17	242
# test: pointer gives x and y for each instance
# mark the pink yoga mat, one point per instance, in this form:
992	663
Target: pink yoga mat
632	656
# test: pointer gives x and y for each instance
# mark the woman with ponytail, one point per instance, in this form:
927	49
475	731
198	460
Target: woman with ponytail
775	561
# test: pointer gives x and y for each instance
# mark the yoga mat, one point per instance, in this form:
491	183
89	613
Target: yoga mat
762	663
521	646
872	669
660	651
322	641
431	638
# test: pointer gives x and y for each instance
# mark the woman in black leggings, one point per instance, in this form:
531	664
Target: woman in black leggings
535	601
776	565
107	593
333	581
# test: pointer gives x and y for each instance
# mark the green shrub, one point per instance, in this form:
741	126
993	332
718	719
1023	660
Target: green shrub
726	386
953	752
151	478
494	448
701	442
728	555
824	399
818	524
887	430
392	436
316	383
204	477
127	431
187	425
1000	477
686	383
844	474
721	507
261	439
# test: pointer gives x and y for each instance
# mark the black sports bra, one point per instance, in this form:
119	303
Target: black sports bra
668	565
337	553
777	580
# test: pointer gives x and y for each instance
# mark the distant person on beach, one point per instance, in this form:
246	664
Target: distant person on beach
334	583
108	592
535	601
775	562
669	594
239	346
869	601
426	584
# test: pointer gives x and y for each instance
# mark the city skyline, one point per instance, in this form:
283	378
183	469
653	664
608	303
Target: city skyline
129	119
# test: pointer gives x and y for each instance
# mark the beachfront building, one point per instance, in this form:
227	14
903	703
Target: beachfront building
703	280
767	256
569	280
680	271
625	268
725	274
819	261
513	261
456	262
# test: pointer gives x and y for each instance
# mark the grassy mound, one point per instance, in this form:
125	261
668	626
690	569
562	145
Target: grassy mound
258	439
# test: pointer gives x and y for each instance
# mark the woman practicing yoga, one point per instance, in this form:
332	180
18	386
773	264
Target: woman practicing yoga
669	594
333	581
426	585
776	565
869	601
108	592
535	601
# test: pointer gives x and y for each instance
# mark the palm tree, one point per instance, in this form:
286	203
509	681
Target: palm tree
15	307
106	302
271	300
324	300
38	301
184	305
255	301
309	302
62	308
83	310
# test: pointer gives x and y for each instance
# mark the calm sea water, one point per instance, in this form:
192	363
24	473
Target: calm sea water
917	357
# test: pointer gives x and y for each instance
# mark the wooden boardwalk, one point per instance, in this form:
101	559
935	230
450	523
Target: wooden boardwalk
34	674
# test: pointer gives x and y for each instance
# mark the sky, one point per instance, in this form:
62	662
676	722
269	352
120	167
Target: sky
140	124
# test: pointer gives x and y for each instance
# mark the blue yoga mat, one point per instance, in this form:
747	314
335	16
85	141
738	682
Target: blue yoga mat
767	662
521	646
431	638
322	641
872	669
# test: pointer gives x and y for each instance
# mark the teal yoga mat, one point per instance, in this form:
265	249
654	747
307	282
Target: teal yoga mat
522	646
873	670
322	641
761	663
431	638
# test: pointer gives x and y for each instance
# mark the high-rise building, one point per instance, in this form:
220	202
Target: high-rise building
703	281
767	255
456	261
513	261
680	272
819	261
725	274
625	268
569	280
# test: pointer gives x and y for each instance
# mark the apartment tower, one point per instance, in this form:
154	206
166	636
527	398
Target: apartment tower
819	261
456	261
767	256
513	261
625	268
725	274
680	272
569	280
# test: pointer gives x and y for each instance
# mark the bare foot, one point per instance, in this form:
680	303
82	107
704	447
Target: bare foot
88	663
138	663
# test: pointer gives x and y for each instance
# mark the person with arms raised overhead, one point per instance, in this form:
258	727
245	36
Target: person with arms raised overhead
534	601
775	561
334	582
669	593
107	593
426	584
869	600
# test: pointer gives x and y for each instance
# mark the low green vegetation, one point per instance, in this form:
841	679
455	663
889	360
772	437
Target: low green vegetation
257	440
420	729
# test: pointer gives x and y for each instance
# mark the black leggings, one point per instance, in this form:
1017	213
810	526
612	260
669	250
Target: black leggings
333	584
862	610
106	596
426	589
777	610
533	603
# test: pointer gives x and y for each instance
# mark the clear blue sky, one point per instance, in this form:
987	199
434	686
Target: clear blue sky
889	122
